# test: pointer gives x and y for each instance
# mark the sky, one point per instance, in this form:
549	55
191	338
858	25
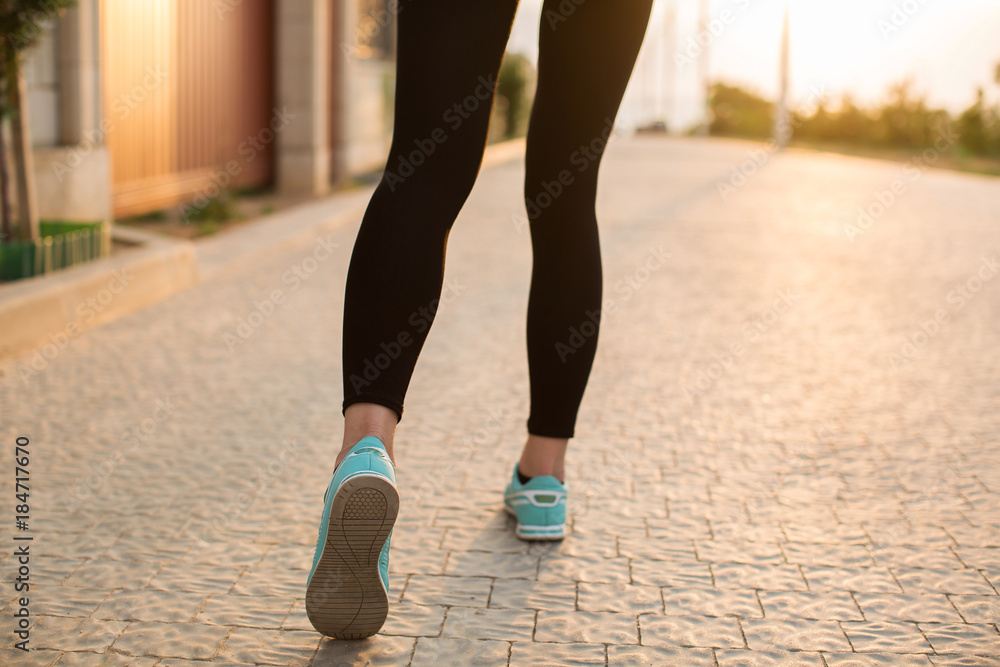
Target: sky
947	48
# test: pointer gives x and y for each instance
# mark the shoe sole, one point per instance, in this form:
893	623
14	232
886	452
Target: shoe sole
553	533
345	598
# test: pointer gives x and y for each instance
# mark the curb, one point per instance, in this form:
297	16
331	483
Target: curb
51	309
47	311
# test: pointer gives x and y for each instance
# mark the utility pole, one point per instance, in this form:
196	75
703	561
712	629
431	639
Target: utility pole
782	128
704	19
669	79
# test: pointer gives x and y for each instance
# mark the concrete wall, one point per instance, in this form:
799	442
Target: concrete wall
41	75
303	77
368	114
71	163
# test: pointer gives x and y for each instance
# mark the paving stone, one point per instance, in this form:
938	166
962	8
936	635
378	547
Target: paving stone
745	531
171	640
962	661
532	594
465	539
769	577
824	532
526	654
885	637
696	631
856	579
297	618
436	651
274	647
54	570
254	611
656	548
980	536
677	529
975	608
917	608
619	597
735	658
722	551
65	600
287	556
876	660
377	651
445	590
587	627
109	574
414	620
193	578
916	557
416	561
670	573
482	564
129	547
794	635
711	602
992	576
904	533
74	634
254	581
501	624
660	656
71	544
242	554
594	570
35	657
964	639
832	555
958	582
181	662
150	605
582	542
980	557
86	659
828	606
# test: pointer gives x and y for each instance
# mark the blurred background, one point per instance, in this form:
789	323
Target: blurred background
189	116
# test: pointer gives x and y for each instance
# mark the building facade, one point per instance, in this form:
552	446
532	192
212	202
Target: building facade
138	106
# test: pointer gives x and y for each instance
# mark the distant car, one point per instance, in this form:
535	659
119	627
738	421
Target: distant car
656	127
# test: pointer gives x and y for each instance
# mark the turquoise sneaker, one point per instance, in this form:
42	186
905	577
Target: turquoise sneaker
539	507
347	593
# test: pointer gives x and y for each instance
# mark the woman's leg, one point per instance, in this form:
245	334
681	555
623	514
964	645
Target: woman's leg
448	59
586	57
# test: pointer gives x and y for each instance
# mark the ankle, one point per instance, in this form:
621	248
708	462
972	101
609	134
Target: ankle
368	419
558	473
350	442
544	456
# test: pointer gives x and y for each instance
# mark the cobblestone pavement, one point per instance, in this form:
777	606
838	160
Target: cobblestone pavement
788	453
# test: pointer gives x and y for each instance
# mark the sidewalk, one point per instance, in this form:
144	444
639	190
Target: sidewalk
787	454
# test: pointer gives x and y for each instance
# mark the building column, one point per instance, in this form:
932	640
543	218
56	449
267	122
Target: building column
72	167
303	76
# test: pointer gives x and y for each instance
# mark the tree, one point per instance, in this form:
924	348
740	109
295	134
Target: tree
21	24
516	74
739	113
972	127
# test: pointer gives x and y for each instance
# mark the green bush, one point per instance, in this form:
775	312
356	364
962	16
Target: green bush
904	120
516	76
739	113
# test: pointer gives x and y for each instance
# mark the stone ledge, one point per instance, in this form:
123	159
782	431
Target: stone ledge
42	309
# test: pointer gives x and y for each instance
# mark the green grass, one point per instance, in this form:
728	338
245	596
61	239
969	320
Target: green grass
955	160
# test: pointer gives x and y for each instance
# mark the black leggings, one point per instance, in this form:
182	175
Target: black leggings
448	58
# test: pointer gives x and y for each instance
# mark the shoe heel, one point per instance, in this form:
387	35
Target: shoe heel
346	598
